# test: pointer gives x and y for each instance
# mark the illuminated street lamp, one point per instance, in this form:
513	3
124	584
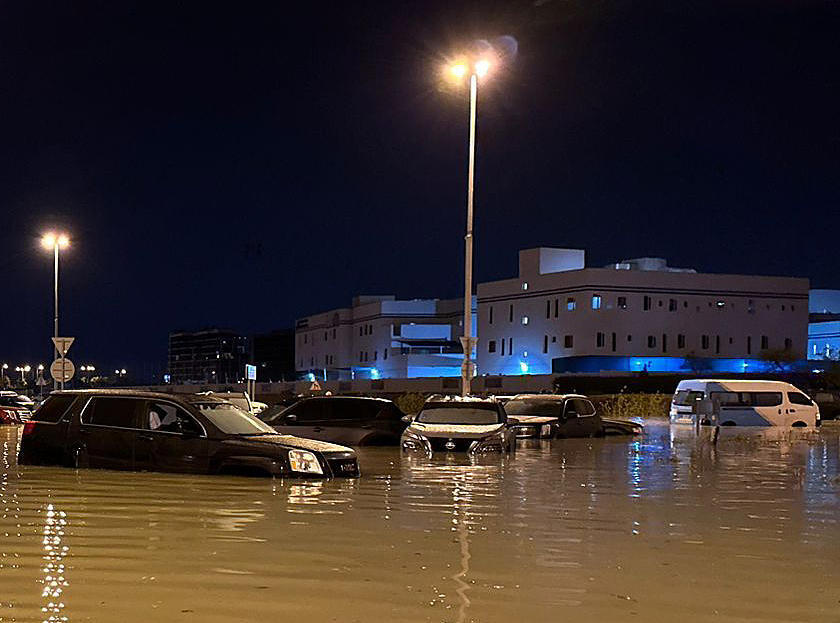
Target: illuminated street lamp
3	369
55	242
24	369
475	68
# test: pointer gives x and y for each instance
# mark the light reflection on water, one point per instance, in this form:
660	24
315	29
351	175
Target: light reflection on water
577	530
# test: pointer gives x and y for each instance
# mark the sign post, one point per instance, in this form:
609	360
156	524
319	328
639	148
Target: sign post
251	377
62	372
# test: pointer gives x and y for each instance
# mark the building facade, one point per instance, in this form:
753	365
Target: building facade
274	356
211	355
381	337
559	315
824	325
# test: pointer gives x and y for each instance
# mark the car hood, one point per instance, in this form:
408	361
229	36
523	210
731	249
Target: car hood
534	419
290	441
467	431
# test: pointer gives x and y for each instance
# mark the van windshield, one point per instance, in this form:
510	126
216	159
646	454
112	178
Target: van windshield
687	397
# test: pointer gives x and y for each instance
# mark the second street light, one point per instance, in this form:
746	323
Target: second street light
54	242
474	68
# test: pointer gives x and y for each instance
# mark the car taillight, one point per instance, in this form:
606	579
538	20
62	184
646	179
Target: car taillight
28	428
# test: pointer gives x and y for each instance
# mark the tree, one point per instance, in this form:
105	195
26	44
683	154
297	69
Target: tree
779	359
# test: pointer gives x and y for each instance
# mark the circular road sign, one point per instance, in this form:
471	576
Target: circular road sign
62	370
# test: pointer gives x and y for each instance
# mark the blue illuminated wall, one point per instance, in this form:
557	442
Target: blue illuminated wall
594	363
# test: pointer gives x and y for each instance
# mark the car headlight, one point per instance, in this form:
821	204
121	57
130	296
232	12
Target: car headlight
414	442
304	462
495	443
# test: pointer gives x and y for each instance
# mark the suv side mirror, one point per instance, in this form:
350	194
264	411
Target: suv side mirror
291	419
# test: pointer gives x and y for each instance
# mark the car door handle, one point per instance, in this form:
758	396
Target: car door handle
792	411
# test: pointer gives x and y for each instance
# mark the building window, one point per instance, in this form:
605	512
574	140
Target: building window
765	342
524	285
596	301
629	338
385	354
375	355
680	340
503	347
548	308
651	341
510	313
490	316
749	345
333	335
672	304
491	346
305	338
570	304
646	303
704	341
312	361
788	343
599	340
568	341
525	320
553	339
556	307
717	344
361	356
545	344
621	303
510	346
361	331
326	336
664	342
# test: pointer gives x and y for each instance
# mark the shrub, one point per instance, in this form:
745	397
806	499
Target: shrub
410	402
622	406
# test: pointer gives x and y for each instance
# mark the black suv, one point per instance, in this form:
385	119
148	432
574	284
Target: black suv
124	429
352	421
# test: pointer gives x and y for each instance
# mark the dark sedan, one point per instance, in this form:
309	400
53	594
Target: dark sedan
14	408
123	429
351	421
547	416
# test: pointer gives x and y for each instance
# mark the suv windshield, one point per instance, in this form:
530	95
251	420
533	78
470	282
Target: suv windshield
463	413
232	420
525	406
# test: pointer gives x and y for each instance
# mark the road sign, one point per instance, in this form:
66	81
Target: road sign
250	372
62	344
62	370
315	387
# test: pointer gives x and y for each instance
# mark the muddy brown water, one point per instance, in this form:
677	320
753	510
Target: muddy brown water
661	528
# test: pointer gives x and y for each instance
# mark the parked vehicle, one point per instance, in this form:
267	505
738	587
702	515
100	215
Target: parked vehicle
241	400
744	403
828	403
553	416
454	424
15	408
126	429
351	421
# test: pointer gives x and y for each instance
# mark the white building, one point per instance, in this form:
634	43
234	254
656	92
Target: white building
381	337
824	325
560	316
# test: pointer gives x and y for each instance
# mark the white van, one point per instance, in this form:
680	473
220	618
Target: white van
746	403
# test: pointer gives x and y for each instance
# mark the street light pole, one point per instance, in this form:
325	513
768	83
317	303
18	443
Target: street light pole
55	314
468	341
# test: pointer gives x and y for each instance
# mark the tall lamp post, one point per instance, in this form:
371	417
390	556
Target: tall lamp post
55	242
3	369
478	68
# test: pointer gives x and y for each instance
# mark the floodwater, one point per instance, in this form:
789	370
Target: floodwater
661	528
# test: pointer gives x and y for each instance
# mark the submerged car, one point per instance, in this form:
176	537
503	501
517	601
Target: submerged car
15	408
132	430
557	416
348	420
454	424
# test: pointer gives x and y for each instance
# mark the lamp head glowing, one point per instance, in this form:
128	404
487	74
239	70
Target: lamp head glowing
48	240
63	241
458	70
482	67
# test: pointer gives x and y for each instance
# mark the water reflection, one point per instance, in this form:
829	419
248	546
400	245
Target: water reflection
577	529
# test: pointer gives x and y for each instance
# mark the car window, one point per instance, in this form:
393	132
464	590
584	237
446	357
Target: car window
455	413
747	399
583	407
54	408
799	399
354	409
112	411
765	399
165	417
525	406
308	411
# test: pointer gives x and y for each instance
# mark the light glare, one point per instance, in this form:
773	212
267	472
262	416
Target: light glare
482	67
458	70
48	240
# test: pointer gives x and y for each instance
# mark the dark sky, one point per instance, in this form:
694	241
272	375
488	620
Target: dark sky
243	164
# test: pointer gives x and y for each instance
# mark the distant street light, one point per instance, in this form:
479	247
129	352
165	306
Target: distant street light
476	68
3	369
55	242
24	369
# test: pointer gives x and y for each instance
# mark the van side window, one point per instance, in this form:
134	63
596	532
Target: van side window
748	399
798	399
108	411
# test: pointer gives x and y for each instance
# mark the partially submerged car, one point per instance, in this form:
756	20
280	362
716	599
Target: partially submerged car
455	424
133	430
241	400
15	408
348	420
557	416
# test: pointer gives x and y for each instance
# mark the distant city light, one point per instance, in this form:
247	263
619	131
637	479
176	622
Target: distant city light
523	367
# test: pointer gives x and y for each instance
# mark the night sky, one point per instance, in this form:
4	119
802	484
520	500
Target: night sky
244	164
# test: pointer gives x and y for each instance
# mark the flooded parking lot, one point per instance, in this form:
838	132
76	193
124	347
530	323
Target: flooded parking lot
657	528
